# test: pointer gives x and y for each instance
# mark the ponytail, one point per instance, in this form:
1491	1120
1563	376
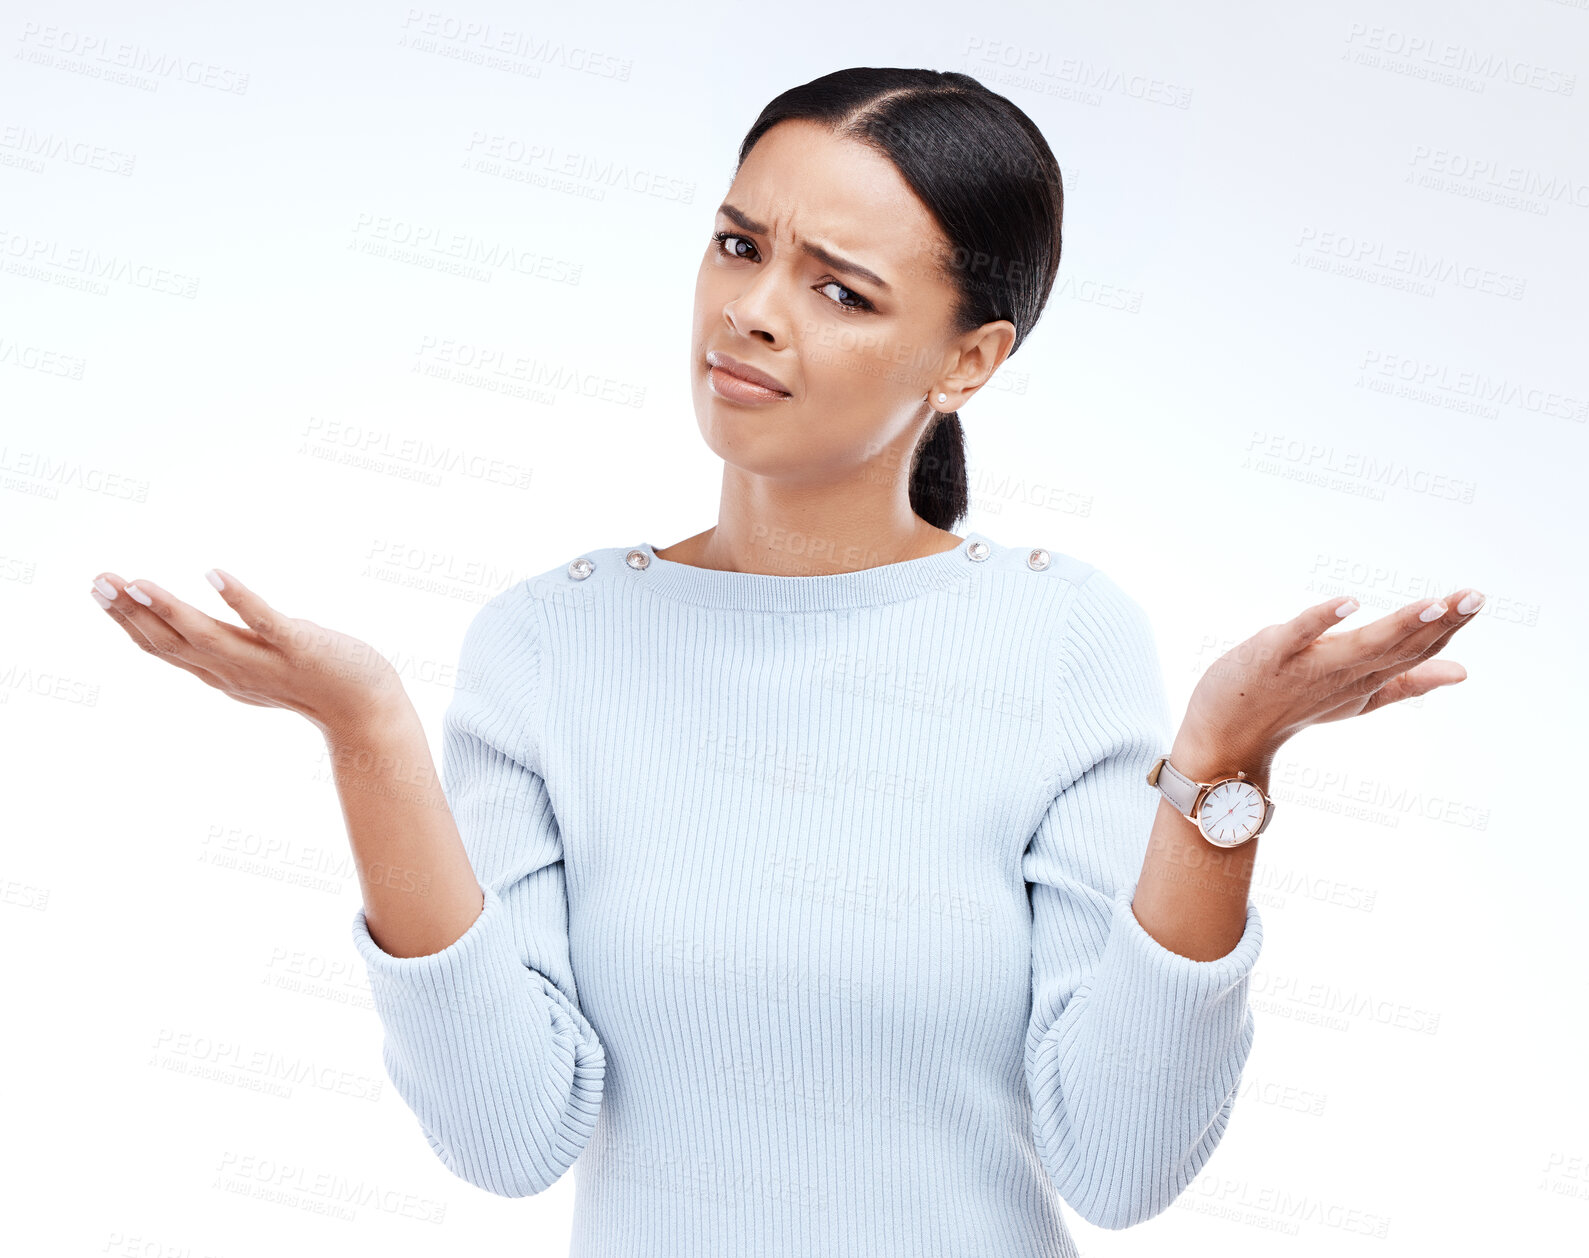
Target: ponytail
938	473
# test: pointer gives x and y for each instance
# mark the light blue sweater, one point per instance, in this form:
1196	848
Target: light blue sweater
807	922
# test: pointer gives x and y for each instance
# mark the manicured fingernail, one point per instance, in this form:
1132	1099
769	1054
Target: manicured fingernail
1347	608
1471	602
139	595
214	578
105	587
1433	612
100	598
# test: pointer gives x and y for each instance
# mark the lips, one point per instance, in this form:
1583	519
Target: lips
733	367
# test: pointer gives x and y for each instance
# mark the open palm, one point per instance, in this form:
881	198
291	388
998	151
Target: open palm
1290	675
271	660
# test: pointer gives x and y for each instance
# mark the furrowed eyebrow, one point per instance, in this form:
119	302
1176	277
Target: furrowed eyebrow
741	220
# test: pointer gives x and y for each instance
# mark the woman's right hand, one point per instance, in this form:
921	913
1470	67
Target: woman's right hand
338	682
1294	674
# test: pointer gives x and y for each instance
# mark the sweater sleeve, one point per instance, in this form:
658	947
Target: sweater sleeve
1134	1053
485	1040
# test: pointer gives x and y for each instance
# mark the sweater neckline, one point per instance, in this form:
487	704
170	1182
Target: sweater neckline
864	587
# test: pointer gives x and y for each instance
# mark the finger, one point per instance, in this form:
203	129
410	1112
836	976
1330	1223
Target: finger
1375	690
109	596
1461	609
1429	637
207	636
257	614
1304	628
117	608
1416	681
1416	648
1402	636
181	630
145	628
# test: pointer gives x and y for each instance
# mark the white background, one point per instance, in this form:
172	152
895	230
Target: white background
1318	328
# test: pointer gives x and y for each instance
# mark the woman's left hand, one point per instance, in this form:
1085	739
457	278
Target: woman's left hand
1291	675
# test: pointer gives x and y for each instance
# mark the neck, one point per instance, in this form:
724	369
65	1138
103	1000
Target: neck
802	546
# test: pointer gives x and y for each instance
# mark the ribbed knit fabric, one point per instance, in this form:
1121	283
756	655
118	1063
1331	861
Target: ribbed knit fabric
807	922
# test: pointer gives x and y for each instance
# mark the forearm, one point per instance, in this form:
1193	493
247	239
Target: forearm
420	892
1192	895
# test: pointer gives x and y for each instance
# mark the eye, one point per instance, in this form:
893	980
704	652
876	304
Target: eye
861	302
725	250
722	247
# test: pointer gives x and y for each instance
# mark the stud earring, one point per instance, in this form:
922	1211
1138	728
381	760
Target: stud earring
942	398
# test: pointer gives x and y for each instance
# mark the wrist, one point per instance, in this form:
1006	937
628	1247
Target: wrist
389	718
1204	759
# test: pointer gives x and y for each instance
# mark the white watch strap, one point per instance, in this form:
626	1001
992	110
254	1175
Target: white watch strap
1179	789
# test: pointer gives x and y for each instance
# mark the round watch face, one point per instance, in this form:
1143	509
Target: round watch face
1231	813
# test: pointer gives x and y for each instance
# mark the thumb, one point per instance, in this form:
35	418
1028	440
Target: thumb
257	614
1417	681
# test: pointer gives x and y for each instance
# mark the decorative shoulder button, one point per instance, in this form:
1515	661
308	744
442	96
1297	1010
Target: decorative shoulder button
581	568
638	560
1037	560
978	551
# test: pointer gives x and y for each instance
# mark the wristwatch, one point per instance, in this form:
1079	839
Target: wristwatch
1228	811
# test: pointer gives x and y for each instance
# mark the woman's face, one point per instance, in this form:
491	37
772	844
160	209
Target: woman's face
856	351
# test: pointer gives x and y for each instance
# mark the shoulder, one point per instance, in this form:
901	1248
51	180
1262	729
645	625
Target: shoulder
574	579
501	644
531	616
1062	582
1081	583
1105	686
1103	604
1086	609
528	624
1046	563
1106	655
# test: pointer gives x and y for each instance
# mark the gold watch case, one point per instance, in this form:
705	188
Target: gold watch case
1203	790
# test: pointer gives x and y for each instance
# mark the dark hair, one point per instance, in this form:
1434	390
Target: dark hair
985	173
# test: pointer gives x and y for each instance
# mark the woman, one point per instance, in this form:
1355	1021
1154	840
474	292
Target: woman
888	935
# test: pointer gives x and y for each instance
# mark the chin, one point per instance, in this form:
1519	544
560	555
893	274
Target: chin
745	440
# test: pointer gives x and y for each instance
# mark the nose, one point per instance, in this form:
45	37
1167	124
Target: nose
756	310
